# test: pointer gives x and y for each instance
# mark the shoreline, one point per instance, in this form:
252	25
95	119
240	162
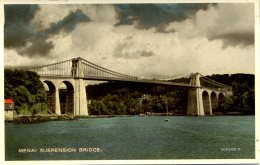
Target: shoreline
28	119
23	119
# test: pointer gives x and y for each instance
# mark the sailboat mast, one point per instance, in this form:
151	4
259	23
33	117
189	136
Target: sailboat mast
166	106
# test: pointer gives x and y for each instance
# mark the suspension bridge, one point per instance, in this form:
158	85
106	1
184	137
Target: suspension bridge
204	94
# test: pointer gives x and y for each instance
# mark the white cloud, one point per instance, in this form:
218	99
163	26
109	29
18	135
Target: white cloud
49	14
100	13
13	59
227	21
147	53
232	23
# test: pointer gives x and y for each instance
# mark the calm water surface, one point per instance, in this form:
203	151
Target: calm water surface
182	137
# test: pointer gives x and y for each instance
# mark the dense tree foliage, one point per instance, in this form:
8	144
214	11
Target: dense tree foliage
122	98
27	91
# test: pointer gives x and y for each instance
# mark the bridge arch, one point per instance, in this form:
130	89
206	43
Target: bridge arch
50	89
66	95
214	101
50	85
221	97
74	100
206	102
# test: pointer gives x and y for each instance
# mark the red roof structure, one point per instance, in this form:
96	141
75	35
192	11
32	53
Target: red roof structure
9	101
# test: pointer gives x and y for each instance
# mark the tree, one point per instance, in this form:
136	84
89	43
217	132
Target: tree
226	104
158	104
26	89
98	108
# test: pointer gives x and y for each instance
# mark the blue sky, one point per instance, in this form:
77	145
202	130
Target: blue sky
147	40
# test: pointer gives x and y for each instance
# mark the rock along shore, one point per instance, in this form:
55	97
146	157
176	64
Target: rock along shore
41	118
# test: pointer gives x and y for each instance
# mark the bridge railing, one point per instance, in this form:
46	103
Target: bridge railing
91	69
60	69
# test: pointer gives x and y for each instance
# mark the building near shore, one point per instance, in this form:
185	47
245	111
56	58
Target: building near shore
9	109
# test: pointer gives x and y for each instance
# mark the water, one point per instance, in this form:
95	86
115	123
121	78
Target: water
182	137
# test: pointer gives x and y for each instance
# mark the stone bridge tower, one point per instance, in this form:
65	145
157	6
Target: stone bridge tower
195	103
80	101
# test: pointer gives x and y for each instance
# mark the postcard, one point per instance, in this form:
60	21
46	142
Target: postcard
156	82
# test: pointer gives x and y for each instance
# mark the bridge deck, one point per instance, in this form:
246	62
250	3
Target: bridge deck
137	80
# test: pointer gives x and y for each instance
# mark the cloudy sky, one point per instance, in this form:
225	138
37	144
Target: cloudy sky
145	40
